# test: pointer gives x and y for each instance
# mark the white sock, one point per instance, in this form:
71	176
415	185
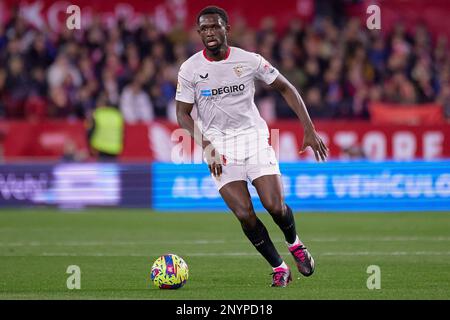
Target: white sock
296	242
283	265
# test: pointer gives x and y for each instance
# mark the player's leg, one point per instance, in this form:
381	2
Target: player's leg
237	198
270	191
264	172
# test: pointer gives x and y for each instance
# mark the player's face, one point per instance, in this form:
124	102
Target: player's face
213	31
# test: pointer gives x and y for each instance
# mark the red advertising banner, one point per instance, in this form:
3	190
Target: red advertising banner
160	141
22	139
164	13
386	113
375	142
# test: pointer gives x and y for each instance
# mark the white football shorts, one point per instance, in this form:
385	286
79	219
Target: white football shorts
264	162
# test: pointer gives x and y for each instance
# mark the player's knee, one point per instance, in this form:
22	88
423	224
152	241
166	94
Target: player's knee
243	209
249	223
275	206
245	215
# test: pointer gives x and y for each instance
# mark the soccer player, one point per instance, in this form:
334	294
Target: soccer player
219	82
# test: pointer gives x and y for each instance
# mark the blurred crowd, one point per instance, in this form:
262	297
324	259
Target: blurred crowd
339	69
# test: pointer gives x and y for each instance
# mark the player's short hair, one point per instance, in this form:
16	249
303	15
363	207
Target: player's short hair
213	10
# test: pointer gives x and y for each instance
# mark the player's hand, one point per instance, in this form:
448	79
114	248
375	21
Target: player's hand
214	160
313	140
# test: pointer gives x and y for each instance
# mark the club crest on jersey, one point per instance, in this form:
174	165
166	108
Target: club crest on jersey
238	70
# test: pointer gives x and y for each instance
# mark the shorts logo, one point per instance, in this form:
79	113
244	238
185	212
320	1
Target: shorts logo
238	70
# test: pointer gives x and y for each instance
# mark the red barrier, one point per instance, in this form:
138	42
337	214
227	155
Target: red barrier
388	113
156	141
378	142
25	139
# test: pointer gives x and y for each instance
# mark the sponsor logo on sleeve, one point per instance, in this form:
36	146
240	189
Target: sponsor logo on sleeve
268	68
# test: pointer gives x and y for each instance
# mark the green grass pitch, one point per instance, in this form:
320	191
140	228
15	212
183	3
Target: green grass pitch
116	248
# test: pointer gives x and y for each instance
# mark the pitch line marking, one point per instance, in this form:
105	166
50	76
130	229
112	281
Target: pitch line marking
206	241
214	254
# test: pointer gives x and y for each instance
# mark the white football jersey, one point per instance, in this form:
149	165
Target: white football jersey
223	94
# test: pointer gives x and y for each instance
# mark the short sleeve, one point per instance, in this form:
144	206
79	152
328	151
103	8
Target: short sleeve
265	71
185	88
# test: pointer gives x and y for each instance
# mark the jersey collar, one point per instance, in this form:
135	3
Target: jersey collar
211	60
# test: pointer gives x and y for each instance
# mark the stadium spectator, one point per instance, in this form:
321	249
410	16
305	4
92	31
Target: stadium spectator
444	100
16	86
316	106
111	86
61	70
39	55
135	103
38	83
59	104
2	91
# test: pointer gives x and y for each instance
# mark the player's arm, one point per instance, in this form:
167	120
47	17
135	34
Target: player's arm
294	100
186	122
